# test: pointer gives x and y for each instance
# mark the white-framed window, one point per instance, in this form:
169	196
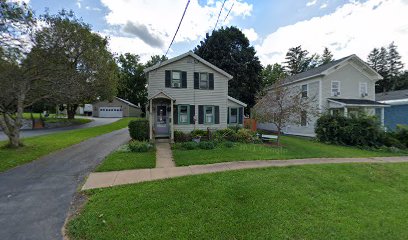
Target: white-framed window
209	114
204	82
363	89
183	113
335	88
303	118
304	90
175	79
233	115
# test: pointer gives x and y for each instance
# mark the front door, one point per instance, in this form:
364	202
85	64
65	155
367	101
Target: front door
162	123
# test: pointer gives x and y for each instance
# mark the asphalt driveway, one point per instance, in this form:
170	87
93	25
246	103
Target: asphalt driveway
35	198
39	132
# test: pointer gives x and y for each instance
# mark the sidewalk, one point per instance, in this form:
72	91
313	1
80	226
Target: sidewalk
108	179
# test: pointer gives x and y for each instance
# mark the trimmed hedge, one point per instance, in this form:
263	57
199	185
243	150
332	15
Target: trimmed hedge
139	129
140	146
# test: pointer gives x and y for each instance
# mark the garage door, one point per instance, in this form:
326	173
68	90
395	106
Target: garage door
110	112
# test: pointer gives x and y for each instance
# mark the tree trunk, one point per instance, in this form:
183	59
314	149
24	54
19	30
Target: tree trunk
71	109
11	127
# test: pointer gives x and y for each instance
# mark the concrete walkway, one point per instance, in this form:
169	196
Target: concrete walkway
108	179
164	155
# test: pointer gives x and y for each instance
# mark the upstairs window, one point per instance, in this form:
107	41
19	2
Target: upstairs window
335	88
204	83
304	91
176	79
363	89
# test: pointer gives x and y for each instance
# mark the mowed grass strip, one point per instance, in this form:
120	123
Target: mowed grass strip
293	148
125	160
36	147
344	201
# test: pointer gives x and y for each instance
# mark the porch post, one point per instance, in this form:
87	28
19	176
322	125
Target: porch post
172	121
382	116
151	119
345	112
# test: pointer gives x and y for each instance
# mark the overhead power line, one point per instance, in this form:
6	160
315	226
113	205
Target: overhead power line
229	11
178	27
219	14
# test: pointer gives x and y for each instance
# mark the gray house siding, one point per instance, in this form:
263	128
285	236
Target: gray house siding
189	95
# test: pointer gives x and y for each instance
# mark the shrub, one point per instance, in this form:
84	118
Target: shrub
206	145
198	133
139	129
180	136
140	146
229	144
189	145
236	128
390	140
245	135
355	131
402	134
227	134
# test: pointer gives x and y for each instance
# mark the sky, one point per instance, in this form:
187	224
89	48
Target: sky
146	27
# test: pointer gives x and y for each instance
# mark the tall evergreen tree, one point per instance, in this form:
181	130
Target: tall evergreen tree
326	57
229	49
394	65
373	59
297	60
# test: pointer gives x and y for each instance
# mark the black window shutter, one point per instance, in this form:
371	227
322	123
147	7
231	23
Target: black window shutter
167	78
175	114
217	114
192	113
241	115
211	81
184	79
200	114
196	80
228	115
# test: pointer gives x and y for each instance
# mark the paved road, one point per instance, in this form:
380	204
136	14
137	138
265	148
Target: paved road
35	198
38	132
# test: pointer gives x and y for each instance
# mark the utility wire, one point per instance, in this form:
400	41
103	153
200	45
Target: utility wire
181	20
229	11
216	23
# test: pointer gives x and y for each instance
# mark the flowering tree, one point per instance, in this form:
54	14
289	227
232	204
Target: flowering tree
283	105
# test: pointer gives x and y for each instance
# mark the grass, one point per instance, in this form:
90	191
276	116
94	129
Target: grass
36	147
123	159
344	201
294	148
52	118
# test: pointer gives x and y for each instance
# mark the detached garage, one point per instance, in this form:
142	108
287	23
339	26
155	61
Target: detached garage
116	108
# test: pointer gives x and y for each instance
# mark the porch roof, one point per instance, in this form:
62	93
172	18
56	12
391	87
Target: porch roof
162	94
347	102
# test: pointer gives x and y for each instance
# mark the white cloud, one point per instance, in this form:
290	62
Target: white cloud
311	3
78	3
162	21
355	27
93	8
132	45
324	5
250	34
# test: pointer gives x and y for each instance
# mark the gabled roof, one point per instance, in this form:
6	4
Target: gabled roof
161	94
236	101
191	54
127	102
323	69
357	102
395	95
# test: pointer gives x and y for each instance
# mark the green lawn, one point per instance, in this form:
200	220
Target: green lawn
294	147
344	201
123	159
35	147
53	118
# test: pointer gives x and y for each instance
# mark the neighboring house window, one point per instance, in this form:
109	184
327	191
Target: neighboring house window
209	114
304	91
183	113
176	79
303	118
204	83
234	115
363	89
335	88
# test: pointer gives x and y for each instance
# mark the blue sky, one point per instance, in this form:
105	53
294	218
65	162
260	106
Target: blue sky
146	27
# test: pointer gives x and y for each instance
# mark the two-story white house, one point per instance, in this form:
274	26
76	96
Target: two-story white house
187	93
345	86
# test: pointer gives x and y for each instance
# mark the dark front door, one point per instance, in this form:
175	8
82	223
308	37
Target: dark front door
162	123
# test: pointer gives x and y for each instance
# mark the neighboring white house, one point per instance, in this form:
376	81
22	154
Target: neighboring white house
345	86
187	93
